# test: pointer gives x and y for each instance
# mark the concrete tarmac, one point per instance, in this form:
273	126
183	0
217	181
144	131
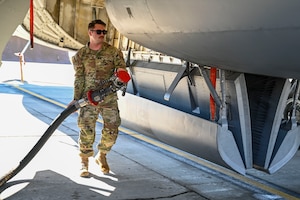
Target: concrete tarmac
54	171
139	170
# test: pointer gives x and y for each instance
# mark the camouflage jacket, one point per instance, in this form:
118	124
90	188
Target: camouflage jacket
92	67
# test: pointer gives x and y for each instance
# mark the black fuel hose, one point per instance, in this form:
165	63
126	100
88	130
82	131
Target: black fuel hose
37	147
118	82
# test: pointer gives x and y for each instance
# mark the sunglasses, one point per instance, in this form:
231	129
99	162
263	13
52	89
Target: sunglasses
100	31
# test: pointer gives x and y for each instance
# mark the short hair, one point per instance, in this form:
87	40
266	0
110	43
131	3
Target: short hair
94	22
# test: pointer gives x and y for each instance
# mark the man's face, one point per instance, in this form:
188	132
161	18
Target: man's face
97	38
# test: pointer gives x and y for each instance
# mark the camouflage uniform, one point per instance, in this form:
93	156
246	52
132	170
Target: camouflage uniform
92	68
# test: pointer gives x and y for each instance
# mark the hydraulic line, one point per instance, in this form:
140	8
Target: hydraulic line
117	82
31	22
212	103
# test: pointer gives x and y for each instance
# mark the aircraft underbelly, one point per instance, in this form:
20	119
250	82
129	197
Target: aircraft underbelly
256	135
260	53
259	37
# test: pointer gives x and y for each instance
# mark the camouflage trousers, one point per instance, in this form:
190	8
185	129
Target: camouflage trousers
87	118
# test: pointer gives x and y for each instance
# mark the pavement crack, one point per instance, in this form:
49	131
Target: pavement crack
164	197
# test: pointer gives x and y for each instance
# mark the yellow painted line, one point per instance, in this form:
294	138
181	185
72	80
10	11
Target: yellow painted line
181	153
40	96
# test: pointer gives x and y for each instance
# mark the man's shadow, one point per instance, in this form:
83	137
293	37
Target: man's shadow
51	185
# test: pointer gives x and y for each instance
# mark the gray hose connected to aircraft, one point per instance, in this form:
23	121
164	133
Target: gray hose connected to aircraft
117	82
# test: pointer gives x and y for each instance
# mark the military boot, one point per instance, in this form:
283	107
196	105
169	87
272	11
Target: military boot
84	172
101	161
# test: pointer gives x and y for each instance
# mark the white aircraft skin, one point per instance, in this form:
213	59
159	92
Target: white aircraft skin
258	37
255	40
